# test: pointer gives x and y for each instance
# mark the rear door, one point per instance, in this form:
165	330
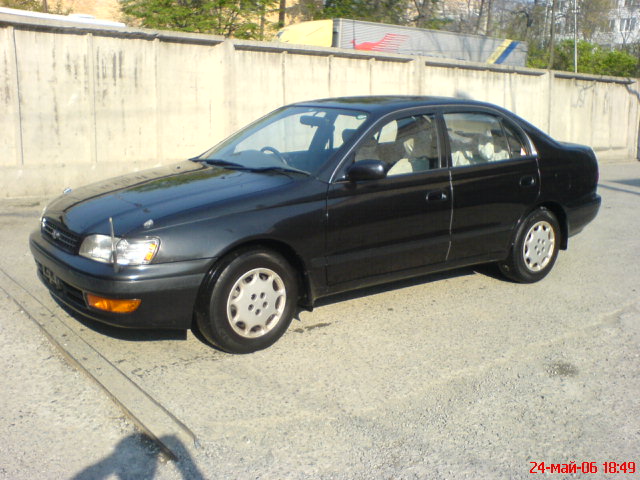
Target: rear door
495	181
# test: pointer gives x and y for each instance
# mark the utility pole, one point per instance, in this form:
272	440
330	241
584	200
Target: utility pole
575	36
552	34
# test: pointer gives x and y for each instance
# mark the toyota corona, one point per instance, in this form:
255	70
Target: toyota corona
313	199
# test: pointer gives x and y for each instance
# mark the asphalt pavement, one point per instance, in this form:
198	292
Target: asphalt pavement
462	375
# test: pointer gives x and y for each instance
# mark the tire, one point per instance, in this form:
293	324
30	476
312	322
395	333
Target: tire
535	248
250	301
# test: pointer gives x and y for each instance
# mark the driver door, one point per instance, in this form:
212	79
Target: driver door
400	222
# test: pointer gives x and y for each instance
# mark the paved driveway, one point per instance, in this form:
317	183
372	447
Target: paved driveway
461	375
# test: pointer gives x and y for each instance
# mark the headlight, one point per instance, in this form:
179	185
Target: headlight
44	210
132	251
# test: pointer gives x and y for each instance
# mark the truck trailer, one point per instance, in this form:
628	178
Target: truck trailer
380	37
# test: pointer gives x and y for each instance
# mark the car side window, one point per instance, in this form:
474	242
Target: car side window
478	138
406	145
516	144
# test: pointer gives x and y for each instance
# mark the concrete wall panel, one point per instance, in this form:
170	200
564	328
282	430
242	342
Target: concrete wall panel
393	78
601	118
305	78
582	107
256	86
524	94
55	101
564	111
191	89
349	76
484	85
125	100
442	81
622	111
10	147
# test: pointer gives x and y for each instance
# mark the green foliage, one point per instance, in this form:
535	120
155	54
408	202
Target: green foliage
428	15
37	6
238	18
385	11
32	5
537	57
595	59
592	59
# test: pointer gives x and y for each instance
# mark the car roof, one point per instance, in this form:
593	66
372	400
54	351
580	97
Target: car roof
387	103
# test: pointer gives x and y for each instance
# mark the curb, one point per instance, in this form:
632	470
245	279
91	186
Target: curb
172	436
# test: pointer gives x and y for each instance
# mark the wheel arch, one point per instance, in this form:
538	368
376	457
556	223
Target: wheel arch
561	216
283	249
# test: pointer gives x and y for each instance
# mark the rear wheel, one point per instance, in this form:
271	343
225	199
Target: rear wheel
250	303
535	248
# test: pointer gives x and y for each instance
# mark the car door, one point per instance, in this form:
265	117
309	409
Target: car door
495	181
400	222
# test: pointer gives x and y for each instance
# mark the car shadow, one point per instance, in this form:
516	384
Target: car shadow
631	182
489	270
150	335
129	334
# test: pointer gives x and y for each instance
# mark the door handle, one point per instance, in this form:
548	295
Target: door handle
436	196
527	181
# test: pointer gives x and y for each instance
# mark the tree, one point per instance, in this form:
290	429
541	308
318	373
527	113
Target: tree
384	11
238	18
593	17
427	14
37	6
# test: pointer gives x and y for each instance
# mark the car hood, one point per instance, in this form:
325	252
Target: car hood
156	194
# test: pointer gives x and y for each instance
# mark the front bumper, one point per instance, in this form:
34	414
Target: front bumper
167	291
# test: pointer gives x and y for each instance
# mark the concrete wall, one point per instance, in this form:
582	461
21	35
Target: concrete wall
78	104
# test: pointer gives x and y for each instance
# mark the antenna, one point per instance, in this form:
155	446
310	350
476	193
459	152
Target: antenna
114	253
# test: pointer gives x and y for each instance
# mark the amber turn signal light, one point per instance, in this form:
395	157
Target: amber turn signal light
112	304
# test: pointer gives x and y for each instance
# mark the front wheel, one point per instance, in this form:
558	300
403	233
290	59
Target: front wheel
535	248
250	303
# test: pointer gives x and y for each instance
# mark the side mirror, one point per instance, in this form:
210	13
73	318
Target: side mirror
367	170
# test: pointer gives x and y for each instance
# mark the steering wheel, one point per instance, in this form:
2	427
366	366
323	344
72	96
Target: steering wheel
276	153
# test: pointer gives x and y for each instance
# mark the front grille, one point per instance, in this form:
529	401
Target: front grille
60	236
61	289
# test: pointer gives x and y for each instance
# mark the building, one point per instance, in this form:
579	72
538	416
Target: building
615	27
624	23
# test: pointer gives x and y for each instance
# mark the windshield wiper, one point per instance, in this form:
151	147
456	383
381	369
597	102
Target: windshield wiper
236	166
221	163
280	168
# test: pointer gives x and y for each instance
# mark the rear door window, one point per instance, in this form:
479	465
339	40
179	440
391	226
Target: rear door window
478	138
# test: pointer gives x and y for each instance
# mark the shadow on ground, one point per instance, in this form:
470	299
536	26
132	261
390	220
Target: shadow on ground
489	270
136	457
150	335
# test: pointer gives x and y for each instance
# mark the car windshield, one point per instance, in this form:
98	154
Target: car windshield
297	139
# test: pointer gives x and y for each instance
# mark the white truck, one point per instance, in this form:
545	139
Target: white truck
380	37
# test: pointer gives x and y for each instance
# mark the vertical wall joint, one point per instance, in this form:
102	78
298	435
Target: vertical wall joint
18	98
91	79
